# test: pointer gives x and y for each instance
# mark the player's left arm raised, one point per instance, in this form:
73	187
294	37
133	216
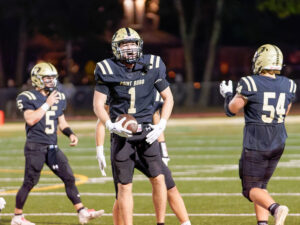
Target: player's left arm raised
66	130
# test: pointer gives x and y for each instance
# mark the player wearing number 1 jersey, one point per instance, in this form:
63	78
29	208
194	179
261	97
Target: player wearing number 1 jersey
130	79
43	110
266	98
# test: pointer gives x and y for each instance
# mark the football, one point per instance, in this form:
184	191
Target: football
130	123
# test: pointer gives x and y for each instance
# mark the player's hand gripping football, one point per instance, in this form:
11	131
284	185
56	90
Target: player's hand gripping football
224	89
156	132
118	129
53	98
101	159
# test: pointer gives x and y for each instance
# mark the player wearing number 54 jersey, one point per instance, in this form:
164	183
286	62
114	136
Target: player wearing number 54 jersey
266	98
43	111
130	79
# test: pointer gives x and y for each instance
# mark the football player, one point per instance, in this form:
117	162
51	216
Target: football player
129	79
266	98
43	111
174	198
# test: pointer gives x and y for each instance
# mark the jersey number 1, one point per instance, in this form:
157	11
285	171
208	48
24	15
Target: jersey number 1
132	109
279	110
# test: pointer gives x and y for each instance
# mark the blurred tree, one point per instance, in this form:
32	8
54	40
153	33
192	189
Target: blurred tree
188	32
20	11
282	8
209	65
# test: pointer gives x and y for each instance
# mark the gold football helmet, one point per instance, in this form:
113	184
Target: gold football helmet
267	57
125	35
41	70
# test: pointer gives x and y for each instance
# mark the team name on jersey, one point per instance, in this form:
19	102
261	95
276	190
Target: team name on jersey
132	83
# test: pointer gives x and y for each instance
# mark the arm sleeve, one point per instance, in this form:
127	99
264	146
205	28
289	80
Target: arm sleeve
161	83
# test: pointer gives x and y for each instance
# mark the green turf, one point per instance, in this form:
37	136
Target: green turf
199	155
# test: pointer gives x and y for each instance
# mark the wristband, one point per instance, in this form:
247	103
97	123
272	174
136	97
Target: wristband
45	107
67	131
228	98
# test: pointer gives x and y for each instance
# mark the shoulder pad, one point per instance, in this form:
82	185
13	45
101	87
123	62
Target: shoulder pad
246	84
105	67
293	86
154	62
61	96
27	94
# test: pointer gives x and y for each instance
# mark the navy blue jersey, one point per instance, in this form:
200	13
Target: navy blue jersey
158	103
131	91
265	112
44	131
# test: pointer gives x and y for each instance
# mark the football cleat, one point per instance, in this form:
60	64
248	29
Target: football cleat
280	214
2	203
85	215
20	220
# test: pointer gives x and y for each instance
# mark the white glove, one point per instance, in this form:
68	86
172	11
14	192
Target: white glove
2	203
224	89
164	153
101	159
156	132
118	129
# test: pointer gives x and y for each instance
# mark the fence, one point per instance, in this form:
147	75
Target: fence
80	99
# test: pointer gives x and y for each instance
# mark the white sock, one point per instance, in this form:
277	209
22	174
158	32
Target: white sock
187	223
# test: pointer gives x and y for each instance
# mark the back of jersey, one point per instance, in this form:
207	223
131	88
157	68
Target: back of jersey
268	101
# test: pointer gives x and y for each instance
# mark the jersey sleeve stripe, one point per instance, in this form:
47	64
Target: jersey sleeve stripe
157	62
151	62
292	86
32	95
101	67
63	96
27	95
108	67
253	83
295	88
247	83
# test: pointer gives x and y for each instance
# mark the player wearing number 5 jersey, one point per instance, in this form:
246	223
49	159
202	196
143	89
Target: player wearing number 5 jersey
43	110
266	98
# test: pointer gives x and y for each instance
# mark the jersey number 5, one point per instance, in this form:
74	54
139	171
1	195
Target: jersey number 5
279	110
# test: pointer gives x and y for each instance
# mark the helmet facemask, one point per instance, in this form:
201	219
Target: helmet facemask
130	52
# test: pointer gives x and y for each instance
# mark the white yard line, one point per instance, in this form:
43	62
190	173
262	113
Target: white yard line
147	194
151	214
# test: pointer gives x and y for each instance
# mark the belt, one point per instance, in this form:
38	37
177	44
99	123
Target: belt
51	147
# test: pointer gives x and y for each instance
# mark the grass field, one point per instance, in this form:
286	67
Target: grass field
204	160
